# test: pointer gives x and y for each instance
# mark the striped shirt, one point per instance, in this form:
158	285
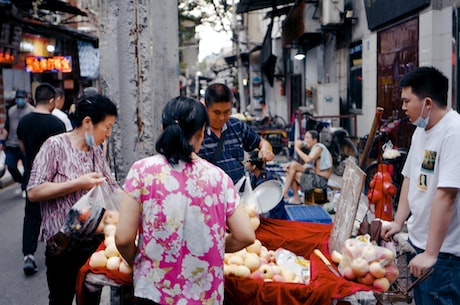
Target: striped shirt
57	161
239	137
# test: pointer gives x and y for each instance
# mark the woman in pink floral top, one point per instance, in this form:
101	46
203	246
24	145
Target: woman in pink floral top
180	206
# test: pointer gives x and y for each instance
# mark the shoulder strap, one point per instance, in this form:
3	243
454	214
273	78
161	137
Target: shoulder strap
220	145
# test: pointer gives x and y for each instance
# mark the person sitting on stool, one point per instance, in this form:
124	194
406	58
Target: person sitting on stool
313	173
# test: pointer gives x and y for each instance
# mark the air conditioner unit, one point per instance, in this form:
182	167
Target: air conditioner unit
332	11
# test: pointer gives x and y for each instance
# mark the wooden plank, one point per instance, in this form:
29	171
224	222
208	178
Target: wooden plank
347	206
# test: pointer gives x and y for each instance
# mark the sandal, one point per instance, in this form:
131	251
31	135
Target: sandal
292	201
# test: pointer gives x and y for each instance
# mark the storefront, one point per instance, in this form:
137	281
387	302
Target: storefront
32	53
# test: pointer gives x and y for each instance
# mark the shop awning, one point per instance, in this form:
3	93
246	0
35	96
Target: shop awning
245	6
35	27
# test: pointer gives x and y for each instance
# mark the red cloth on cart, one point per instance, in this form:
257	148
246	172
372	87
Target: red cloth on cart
301	238
118	277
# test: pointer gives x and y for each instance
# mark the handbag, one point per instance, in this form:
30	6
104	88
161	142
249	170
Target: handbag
373	228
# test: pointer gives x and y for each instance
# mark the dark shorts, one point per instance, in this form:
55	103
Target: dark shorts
309	181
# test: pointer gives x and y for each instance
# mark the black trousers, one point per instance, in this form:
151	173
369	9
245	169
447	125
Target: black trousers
62	271
31	227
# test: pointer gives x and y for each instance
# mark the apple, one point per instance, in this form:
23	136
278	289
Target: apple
242	271
278	278
275	268
391	272
351	248
336	256
348	273
252	261
124	267
266	270
111	217
229	270
98	259
227	256
251	210
367	279
256	274
110	229
376	269
113	263
255	247
360	266
255	222
235	260
382	284
386	255
271	256
241	253
369	253
288	274
109	240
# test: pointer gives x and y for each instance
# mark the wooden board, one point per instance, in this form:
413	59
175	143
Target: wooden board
347	206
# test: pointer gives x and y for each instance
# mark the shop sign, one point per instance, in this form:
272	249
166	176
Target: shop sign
381	12
40	64
10	38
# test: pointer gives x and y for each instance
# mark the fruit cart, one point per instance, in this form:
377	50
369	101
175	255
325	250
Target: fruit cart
301	238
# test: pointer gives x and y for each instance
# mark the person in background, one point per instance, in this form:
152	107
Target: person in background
66	167
180	205
317	166
11	143
429	200
258	175
33	129
226	139
57	111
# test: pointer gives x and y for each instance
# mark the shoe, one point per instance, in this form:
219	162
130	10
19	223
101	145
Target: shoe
30	267
291	201
24	194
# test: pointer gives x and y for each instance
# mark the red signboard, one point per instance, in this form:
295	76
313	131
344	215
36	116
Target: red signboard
39	64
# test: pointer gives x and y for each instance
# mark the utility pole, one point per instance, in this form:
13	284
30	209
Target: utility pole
139	71
239	65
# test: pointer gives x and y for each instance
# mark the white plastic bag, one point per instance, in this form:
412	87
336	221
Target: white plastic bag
248	197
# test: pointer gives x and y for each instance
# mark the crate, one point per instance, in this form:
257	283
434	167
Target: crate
308	213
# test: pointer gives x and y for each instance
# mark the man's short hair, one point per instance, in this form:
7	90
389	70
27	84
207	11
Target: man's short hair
427	82
218	93
59	91
44	92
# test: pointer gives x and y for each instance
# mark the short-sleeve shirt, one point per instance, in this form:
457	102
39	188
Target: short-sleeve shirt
58	161
239	137
181	240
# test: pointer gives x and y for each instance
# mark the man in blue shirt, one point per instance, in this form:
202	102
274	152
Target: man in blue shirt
226	138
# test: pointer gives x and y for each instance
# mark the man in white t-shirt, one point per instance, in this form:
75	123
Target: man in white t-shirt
60	101
430	200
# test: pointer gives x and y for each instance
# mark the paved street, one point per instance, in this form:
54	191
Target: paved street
17	289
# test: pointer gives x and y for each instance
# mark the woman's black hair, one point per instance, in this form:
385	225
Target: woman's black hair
182	117
97	107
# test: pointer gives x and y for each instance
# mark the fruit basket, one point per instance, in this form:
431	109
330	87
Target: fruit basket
401	290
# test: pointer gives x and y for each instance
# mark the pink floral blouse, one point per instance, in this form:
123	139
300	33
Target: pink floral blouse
181	230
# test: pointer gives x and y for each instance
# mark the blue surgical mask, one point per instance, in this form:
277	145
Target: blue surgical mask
21	102
89	137
422	122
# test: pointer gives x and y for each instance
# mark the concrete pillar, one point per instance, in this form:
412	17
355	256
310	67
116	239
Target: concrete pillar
139	71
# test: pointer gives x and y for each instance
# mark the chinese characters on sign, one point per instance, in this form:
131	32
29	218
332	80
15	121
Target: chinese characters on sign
38	64
10	37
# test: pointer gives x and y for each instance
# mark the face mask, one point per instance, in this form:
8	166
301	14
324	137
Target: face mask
89	138
21	102
422	122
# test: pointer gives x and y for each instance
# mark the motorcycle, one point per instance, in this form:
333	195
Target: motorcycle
336	139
